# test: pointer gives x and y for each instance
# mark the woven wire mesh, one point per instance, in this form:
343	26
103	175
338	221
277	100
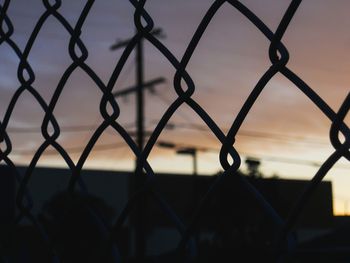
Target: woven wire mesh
184	87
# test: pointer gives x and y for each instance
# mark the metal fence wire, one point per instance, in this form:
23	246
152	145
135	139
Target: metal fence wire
283	244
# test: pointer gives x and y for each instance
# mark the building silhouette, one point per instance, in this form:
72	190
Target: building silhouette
231	221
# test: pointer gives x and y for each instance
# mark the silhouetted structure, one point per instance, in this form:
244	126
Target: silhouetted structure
78	226
253	167
231	221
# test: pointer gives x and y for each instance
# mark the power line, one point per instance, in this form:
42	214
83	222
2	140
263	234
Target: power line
111	146
72	128
268	158
149	85
72	150
197	127
181	114
246	133
258	134
126	73
261	135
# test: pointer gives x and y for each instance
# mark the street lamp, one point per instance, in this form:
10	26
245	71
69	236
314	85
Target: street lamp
183	150
168	145
190	151
253	166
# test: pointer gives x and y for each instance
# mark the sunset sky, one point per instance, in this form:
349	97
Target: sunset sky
284	128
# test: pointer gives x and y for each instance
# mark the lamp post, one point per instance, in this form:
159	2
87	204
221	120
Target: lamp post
192	152
185	151
253	166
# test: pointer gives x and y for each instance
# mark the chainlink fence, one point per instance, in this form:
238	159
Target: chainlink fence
144	186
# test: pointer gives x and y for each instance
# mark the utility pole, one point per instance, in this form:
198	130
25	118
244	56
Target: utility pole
136	181
192	152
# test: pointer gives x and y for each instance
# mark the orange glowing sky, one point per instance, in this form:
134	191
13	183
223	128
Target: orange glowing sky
228	62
